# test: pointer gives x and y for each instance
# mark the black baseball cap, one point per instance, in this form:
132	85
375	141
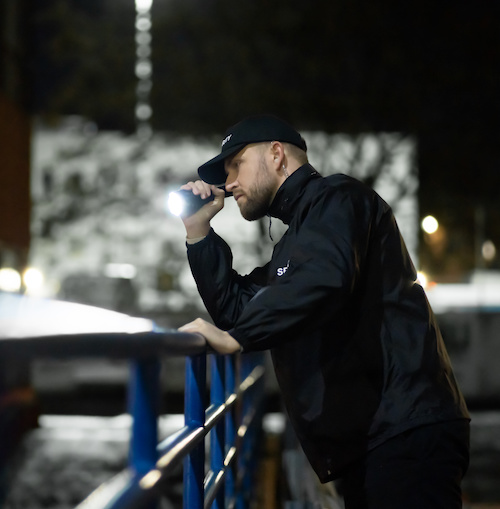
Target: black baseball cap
253	129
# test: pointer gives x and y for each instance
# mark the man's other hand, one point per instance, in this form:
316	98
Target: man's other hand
218	339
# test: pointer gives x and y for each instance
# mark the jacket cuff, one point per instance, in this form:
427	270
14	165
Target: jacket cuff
201	241
234	334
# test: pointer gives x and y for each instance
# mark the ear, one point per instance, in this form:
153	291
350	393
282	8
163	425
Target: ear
277	152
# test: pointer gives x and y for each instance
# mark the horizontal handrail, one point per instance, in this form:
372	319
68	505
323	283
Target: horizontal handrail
116	345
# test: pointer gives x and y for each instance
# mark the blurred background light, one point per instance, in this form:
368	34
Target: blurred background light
489	250
430	224
422	279
143	5
33	280
143	111
10	280
143	69
143	24
120	270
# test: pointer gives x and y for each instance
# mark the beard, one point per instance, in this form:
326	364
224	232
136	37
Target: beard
259	196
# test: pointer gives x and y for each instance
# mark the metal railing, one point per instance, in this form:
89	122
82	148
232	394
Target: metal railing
231	419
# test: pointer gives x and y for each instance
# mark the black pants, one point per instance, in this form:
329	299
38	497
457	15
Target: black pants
419	469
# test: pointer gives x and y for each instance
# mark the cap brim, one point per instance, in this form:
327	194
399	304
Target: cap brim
213	172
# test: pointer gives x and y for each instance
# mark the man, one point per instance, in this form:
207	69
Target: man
357	352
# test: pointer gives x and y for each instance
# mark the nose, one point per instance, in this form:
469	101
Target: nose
231	182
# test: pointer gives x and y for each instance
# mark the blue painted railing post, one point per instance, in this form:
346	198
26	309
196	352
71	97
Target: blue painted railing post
241	500
144	399
247	451
194	417
230	418
217	438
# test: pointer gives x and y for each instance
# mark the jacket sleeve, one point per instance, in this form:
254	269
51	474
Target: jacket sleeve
325	264
224	292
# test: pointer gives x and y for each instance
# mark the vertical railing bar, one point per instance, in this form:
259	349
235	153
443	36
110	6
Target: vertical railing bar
143	406
230	432
217	397
241	496
248	362
194	416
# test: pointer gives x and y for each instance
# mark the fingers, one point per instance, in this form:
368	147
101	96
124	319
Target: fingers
193	326
200	188
205	190
220	196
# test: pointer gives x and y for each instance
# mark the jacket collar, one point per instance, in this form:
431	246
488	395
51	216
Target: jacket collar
290	192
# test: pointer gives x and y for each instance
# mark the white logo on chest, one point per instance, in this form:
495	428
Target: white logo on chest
281	270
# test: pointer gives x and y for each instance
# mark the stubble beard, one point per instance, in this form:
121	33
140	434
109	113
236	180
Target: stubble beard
260	195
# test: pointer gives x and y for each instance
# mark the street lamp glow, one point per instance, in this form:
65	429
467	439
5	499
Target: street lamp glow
430	225
10	280
488	250
422	279
143	69
33	280
143	5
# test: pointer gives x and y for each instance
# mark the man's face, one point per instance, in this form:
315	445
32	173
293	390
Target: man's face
251	180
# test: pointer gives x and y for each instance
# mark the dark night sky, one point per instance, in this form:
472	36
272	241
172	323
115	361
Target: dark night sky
342	65
429	68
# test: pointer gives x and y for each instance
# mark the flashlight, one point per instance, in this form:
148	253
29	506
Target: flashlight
184	202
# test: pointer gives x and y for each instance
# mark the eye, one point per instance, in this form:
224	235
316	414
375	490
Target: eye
234	166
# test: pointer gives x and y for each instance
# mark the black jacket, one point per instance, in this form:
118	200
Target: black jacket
356	348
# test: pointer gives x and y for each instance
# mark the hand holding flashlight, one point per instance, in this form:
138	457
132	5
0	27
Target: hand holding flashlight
197	203
192	196
185	203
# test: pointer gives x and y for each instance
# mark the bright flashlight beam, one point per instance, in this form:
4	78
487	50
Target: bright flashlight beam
184	202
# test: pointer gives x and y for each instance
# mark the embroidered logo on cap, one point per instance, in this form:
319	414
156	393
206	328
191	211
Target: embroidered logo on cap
226	139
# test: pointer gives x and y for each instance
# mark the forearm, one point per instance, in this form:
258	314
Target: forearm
196	230
224	292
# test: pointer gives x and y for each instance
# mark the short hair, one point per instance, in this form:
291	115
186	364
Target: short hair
296	152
